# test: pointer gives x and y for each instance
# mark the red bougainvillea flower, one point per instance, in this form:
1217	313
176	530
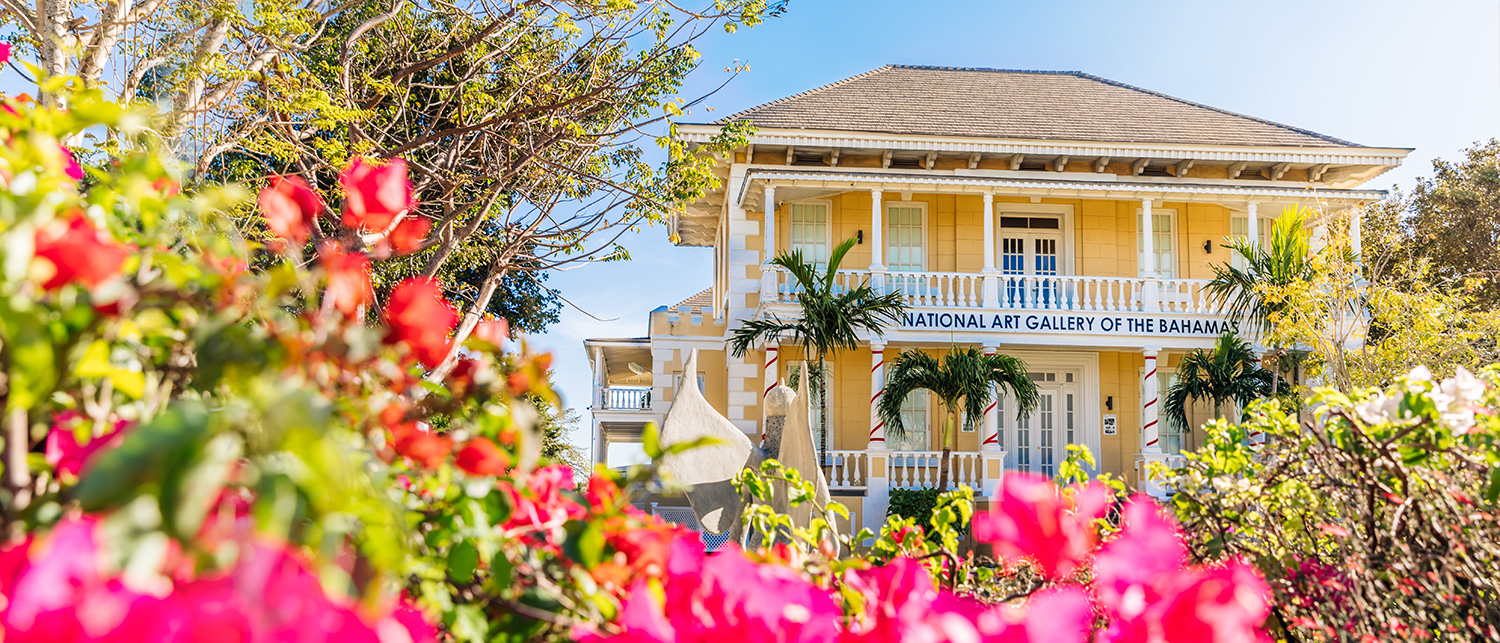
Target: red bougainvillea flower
375	194
492	331
418	317
1034	519
348	278
290	205
1149	594
418	443
482	458
407	236
66	454
78	252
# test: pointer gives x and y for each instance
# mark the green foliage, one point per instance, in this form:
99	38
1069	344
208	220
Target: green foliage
1230	373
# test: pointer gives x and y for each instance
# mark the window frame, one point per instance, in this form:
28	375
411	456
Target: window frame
1264	232
827	205
1067	253
885	238
1176	256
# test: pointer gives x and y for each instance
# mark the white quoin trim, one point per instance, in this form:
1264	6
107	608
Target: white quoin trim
1150	408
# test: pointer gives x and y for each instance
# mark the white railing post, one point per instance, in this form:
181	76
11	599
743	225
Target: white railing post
877	489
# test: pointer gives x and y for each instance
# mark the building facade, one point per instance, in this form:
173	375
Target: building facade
1057	217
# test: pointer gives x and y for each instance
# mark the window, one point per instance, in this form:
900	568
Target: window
905	237
1239	228
810	232
677	383
1163	242
914	421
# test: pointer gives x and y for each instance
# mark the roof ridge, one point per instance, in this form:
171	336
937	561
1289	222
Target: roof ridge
740	114
1184	101
998	70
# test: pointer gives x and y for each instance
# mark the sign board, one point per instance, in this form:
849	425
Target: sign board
1109	424
1065	322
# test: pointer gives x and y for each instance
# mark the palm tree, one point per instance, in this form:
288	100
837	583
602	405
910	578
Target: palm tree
1286	262
962	381
832	319
1231	372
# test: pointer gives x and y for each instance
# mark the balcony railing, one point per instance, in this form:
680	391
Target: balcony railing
1077	293
846	469
626	398
919	469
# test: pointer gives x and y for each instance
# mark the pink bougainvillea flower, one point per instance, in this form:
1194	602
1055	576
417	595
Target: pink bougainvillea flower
419	318
290	206
4	52
63	451
77	252
492	331
1033	519
901	603
407	236
726	597
1150	595
70	164
348	278
375	194
482	457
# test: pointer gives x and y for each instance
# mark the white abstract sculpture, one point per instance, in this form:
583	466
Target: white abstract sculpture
709	470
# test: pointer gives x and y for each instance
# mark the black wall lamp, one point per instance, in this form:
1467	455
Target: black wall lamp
1208	246
1109	403
860	234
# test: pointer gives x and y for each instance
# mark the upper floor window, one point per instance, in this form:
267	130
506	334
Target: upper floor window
1239	228
1163	243
906	235
810	232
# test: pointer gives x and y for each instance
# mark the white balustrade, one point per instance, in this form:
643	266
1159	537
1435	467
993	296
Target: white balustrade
627	398
846	469
1081	293
919	469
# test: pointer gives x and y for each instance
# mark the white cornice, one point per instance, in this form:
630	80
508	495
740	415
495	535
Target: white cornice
1170	151
1053	188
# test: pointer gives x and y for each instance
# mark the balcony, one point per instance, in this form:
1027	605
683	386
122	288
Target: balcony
625	398
1125	310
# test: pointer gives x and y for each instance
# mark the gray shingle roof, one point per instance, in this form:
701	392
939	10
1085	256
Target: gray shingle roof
702	299
1014	104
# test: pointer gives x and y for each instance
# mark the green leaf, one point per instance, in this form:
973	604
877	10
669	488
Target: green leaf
151	454
463	559
651	441
1492	493
585	544
33	365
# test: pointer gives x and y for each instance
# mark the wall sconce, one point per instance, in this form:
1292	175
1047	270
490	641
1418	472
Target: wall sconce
860	234
1208	246
1109	403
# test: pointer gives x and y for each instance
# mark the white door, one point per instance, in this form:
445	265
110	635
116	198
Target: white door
1030	251
1041	439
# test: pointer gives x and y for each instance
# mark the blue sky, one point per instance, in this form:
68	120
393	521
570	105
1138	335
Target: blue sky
1398	74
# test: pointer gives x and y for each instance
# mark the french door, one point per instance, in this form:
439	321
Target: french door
1030	251
1040	440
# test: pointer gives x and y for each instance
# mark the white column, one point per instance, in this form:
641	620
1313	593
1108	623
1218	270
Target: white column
1150	409
877	233
768	227
773	352
1148	253
1254	228
600	379
877	389
991	287
1355	236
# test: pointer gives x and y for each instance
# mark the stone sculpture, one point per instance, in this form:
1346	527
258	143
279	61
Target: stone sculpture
708	470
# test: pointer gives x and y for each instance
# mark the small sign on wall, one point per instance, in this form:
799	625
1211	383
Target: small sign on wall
1109	424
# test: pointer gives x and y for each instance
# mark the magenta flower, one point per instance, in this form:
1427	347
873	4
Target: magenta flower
64	452
1033	519
1150	594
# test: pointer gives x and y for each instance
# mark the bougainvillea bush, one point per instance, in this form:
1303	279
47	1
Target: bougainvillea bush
1374	519
196	449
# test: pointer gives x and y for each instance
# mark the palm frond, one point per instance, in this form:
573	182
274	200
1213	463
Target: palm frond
912	371
835	259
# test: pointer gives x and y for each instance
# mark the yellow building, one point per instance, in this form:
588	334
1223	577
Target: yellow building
1064	219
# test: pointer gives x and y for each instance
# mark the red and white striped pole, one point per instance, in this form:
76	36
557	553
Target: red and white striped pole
1150	410
991	441
877	389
